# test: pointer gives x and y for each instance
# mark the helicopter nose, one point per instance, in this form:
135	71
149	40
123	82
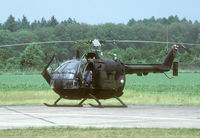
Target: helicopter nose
63	81
56	82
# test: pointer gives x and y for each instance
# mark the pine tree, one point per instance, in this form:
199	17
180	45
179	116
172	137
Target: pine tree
43	22
10	24
52	22
25	24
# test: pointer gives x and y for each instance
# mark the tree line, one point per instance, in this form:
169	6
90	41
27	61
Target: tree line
34	56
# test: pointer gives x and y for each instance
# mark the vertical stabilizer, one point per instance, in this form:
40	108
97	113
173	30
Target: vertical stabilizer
169	58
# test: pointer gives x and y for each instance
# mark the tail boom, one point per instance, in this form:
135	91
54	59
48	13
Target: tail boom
144	69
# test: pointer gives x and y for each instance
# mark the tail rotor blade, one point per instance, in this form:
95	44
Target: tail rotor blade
185	48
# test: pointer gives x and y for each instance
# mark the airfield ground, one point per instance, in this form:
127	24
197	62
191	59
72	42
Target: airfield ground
134	121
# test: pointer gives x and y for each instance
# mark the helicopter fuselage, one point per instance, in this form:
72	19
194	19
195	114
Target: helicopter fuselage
107	79
91	77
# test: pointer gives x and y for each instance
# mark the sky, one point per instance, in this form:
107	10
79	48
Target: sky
99	11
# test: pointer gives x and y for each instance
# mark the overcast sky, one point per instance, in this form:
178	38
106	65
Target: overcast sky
99	11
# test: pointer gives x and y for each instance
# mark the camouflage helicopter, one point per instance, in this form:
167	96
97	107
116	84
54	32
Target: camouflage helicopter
92	77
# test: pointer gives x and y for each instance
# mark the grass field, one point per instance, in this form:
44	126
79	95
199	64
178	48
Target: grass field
154	89
101	133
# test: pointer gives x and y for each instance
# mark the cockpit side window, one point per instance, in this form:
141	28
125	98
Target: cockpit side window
82	64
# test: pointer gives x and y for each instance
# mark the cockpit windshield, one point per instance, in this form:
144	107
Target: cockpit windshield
68	67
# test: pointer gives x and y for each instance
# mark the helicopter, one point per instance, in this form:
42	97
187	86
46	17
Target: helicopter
92	77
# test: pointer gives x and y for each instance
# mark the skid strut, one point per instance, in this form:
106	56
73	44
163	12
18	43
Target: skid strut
97	100
101	106
55	103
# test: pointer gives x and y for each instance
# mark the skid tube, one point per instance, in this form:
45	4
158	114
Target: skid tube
55	103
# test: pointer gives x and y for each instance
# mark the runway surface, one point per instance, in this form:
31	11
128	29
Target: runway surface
133	116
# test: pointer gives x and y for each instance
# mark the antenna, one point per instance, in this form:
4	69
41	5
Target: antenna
167	35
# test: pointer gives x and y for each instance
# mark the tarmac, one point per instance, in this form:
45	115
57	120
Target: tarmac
133	116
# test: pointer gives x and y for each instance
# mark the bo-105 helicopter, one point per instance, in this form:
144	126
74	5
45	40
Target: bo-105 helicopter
91	77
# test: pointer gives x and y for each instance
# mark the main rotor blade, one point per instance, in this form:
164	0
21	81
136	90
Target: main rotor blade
101	41
153	42
47	42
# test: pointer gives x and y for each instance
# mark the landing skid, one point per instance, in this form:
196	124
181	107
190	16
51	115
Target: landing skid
102	106
123	105
55	104
107	106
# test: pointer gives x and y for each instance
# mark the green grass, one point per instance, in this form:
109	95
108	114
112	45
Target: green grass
187	83
157	89
11	82
100	133
154	89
